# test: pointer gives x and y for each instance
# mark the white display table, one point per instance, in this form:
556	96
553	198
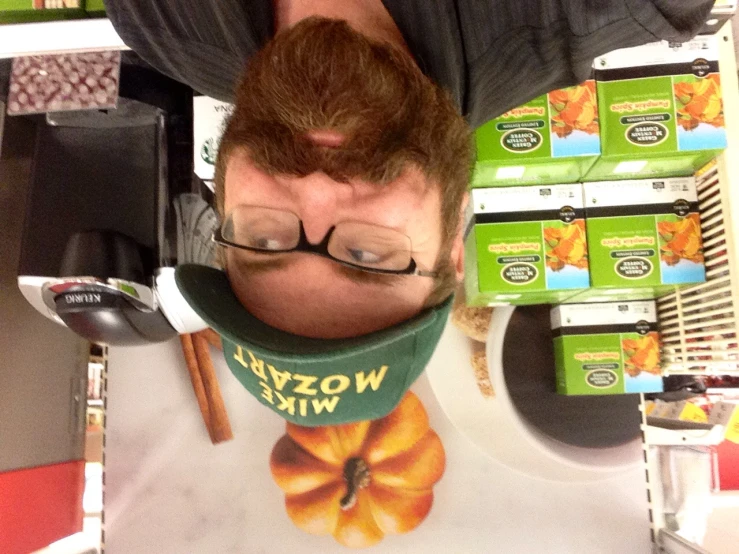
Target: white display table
167	490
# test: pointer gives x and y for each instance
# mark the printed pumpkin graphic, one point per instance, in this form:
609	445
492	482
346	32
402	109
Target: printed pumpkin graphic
699	101
566	245
681	240
574	109
360	481
641	354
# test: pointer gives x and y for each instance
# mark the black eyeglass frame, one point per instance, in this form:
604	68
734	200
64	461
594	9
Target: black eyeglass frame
321	249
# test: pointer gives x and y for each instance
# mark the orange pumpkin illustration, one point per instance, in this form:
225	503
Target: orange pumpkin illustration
574	108
566	246
681	240
641	354
699	102
360	481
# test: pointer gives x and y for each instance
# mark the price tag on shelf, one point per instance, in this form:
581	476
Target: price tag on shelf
726	414
691	412
732	429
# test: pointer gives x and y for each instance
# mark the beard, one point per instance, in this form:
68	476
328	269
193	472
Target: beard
321	74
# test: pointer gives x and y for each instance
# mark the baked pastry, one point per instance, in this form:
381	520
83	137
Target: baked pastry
480	367
473	322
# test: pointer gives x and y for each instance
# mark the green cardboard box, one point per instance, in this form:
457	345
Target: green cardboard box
26	11
644	238
553	139
609	348
525	245
663	117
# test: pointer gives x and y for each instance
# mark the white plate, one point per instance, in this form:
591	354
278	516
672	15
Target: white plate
496	427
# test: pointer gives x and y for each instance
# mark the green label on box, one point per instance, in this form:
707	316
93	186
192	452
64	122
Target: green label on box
518	134
602	364
555	138
638	115
591	364
624	251
510	255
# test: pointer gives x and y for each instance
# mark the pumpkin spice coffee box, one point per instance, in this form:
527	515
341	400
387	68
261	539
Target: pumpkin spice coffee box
555	138
611	348
644	238
525	245
661	109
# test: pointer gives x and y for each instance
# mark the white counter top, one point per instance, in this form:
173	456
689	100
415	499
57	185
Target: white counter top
169	490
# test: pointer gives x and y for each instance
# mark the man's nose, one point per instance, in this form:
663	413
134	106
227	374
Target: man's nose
319	200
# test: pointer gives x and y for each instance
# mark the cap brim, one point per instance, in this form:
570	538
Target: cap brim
209	293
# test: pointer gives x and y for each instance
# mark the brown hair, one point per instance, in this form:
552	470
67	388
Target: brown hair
322	74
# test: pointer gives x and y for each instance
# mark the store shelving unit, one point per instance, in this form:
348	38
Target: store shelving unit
58	37
700	324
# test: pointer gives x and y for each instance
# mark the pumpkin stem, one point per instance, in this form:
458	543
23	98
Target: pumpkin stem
357	476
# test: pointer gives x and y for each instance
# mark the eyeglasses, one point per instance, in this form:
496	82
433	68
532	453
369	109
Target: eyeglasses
359	245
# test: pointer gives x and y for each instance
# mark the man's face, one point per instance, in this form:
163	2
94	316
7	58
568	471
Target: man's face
313	296
334	128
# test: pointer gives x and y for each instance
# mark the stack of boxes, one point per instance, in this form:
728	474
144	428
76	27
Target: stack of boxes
586	197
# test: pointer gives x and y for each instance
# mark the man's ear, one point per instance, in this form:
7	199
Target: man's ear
457	254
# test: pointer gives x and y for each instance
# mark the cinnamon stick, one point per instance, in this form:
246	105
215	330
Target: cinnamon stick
193	368
220	427
213	338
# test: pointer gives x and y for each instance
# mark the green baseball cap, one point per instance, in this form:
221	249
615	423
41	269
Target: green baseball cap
308	381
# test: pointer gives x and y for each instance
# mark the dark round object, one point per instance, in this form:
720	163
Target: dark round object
108	317
528	368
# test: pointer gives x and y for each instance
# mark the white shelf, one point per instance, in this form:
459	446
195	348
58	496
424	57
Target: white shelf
715	353
58	37
657	436
700	323
726	499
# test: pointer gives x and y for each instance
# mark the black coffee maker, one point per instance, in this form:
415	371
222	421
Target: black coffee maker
113	207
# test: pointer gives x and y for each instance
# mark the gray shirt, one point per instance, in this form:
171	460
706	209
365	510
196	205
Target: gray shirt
490	55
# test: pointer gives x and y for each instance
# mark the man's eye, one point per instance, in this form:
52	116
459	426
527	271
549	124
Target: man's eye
363	256
266	243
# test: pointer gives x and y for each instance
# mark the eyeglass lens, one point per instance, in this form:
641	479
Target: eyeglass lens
360	244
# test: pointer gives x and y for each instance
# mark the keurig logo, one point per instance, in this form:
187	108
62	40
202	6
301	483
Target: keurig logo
83	298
